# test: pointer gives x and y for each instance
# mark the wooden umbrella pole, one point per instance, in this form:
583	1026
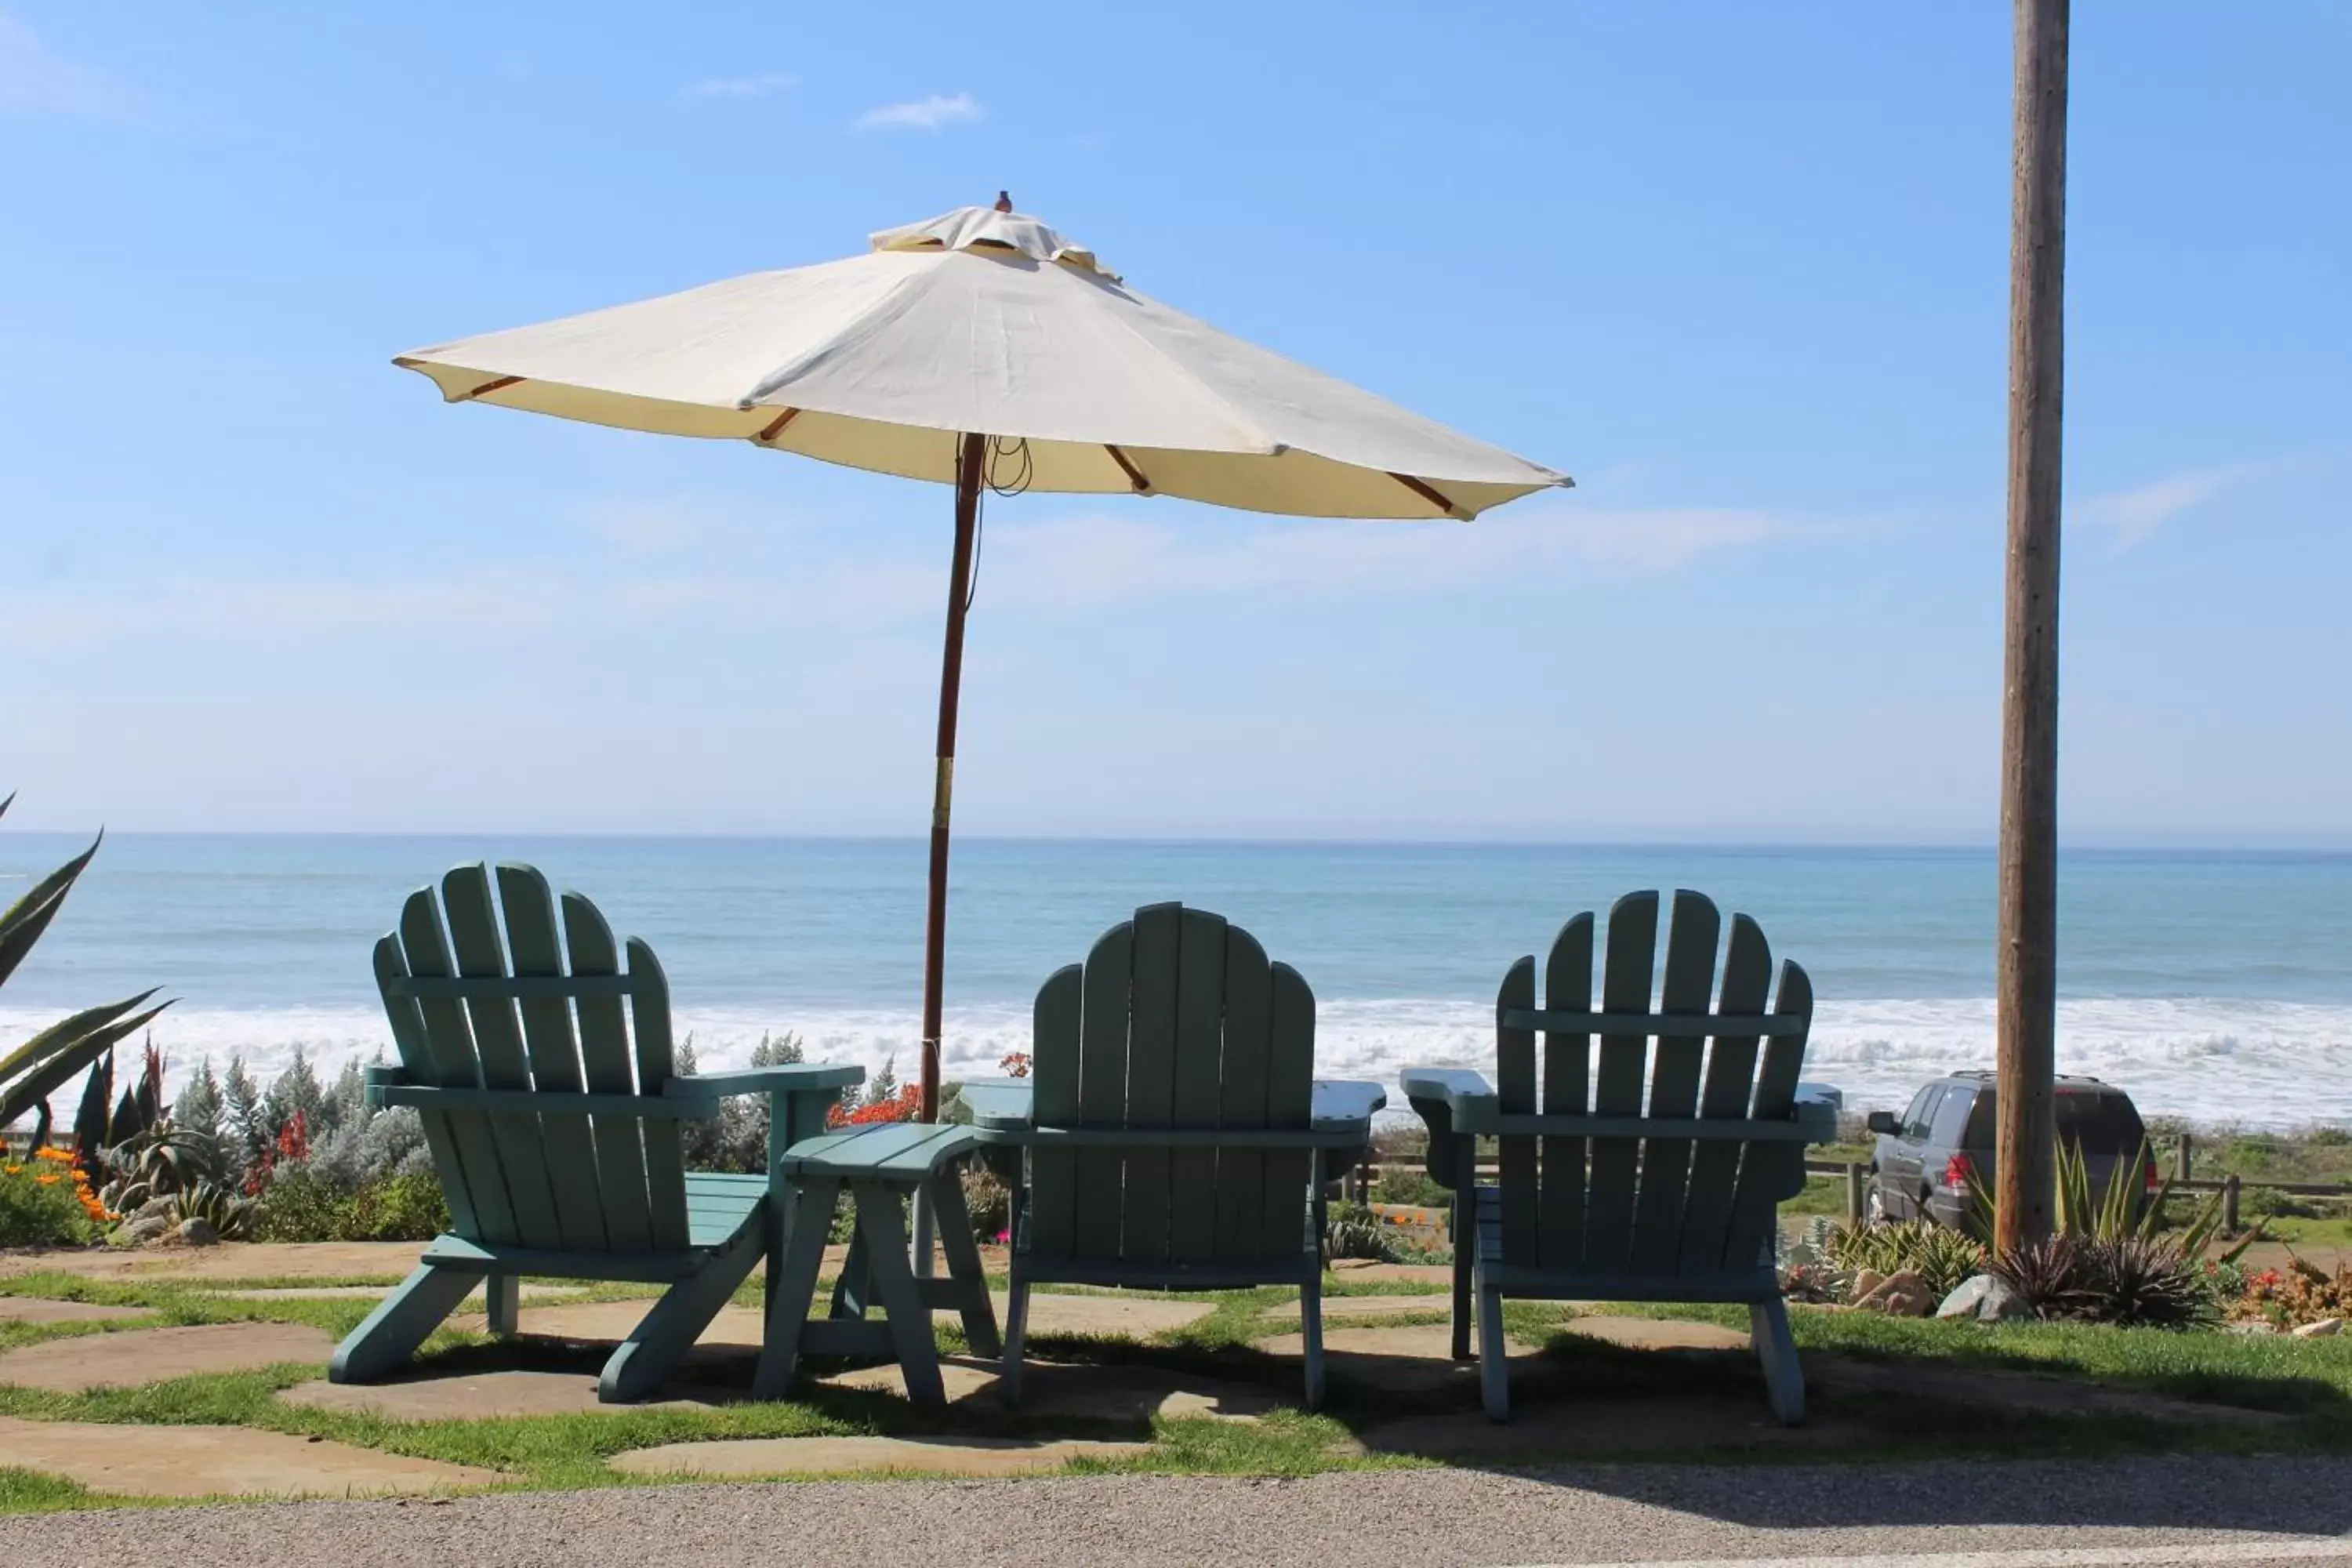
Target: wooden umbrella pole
2026	965
970	453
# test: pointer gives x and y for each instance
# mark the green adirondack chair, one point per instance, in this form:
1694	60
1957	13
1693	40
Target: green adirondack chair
1171	1144
1650	1174
558	1149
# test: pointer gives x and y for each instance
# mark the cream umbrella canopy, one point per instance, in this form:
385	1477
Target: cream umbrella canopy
981	348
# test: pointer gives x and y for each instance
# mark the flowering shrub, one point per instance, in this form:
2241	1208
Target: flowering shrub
2299	1294
1015	1064
904	1106
45	1202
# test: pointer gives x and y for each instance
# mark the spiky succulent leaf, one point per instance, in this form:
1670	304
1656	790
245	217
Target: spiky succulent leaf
22	922
34	1087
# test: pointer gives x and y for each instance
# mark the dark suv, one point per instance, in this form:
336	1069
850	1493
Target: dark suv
1930	1159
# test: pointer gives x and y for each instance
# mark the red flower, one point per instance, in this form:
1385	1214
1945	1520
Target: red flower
1015	1064
294	1139
905	1106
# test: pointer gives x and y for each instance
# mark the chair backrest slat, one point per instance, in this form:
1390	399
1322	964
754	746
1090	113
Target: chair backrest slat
498	1043
1197	1091
1241	1093
1687	986
665	1140
605	1069
1730	1080
1151	1079
408	1040
1567	1091
554	1055
449	1043
1636	1203
1626	973
1055	1033
1289	1102
1515	1091
1102	1089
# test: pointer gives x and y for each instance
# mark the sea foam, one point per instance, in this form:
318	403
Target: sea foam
2260	1064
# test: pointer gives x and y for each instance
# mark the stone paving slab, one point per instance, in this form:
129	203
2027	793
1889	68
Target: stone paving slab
388	1260
530	1290
1416	1359
1075	1392
137	1356
35	1310
942	1456
234	1462
1658	1334
485	1397
1136	1317
612	1321
1339	1307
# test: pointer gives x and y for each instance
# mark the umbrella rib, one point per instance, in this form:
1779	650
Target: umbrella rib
1134	475
1427	492
487	387
776	425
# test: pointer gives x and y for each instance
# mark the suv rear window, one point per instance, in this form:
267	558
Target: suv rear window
2101	1123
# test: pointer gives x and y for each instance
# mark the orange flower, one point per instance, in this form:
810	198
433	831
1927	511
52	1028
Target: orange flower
48	1181
62	1156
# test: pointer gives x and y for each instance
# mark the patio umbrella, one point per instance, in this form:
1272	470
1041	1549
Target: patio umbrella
982	349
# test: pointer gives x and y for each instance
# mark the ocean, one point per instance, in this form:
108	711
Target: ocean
2214	985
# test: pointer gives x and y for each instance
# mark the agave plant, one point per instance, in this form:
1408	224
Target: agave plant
229	1213
158	1162
1942	1257
37	1069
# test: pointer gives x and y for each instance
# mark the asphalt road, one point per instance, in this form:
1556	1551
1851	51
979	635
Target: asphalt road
2242	1512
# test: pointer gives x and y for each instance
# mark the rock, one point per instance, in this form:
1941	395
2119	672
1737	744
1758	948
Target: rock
198	1231
1866	1282
2324	1328
1985	1299
166	1208
2251	1326
222	1461
142	1232
1901	1294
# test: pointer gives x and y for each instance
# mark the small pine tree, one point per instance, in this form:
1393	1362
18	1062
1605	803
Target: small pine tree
245	1120
296	1092
883	1086
778	1051
198	1108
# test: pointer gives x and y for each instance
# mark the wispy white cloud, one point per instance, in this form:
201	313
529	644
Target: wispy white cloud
934	113
1074	562
38	83
759	86
2131	517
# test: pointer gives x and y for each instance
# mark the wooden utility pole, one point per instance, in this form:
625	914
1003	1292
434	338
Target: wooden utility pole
2026	984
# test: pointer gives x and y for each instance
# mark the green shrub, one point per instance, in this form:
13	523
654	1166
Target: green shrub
1409	1183
35	1212
2269	1202
302	1205
1351	1230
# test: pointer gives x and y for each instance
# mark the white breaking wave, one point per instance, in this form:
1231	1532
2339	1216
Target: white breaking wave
2262	1064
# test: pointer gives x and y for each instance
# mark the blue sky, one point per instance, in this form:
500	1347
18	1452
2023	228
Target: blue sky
1740	269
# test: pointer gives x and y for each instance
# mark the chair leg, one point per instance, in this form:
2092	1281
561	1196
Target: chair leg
1016	1331
794	1290
661	1339
388	1336
1494	1350
854	1291
887	1261
971	1291
1465	1231
1310	1324
503	1294
1784	1379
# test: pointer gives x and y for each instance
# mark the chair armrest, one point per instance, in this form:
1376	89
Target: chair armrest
998	1101
787	1077
1347	1100
1345	1136
1445	1098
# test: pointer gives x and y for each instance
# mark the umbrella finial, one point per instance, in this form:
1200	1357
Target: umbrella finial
1005	201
